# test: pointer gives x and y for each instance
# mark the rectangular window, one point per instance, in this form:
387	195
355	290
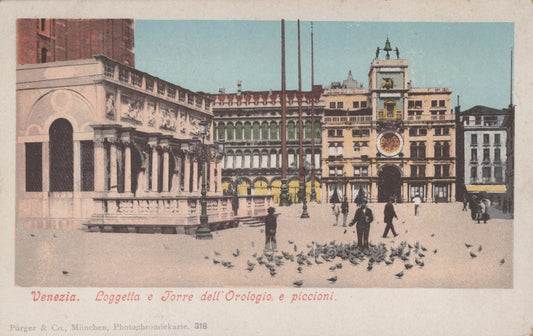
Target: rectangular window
360	133
473	154
422	171
438	170
486	139
34	166
360	171
442	103
355	104
44	53
486	155
498	174
363	104
340	104
332	105
87	165
497	139
332	150
438	131
339	133
445	170
486	173
497	155
414	171
478	120
473	172
331	133
433	103
473	139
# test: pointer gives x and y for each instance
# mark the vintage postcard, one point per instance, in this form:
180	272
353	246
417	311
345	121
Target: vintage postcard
166	169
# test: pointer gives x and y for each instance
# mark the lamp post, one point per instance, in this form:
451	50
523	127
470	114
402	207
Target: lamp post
204	154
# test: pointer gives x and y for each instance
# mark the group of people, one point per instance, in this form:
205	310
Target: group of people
479	208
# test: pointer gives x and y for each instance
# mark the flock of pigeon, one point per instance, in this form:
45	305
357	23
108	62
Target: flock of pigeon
334	253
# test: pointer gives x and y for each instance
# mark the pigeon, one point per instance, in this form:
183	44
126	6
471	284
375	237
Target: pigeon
253	244
299	269
408	266
216	253
216	261
318	261
406	231
473	255
421	255
388	262
291	242
250	267
55	235
298	283
254	255
333	268
399	275
227	264
249	263
272	272
502	261
333	279
31	234
345	230
468	245
369	267
65	272
435	251
339	265
295	248
479	248
424	249
432	235
206	257
236	253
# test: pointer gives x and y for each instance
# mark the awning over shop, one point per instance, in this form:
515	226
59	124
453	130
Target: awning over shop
494	188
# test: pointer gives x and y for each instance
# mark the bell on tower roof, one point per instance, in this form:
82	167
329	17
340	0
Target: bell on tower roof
387	48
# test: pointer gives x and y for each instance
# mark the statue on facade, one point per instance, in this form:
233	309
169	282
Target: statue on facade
377	52
110	106
397	53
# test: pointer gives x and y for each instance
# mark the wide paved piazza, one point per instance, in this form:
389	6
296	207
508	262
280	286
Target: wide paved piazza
437	238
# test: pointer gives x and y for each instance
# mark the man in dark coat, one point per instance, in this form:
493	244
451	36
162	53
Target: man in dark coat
235	203
363	217
344	209
270	230
473	205
390	213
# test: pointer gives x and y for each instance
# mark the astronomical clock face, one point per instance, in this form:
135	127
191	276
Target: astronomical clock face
389	143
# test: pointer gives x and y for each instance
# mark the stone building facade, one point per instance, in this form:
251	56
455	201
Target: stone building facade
250	124
389	139
483	158
103	144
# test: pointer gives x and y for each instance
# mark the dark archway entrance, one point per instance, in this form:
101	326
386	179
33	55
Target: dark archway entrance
389	184
61	156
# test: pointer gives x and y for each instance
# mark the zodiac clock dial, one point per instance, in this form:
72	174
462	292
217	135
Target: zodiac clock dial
389	143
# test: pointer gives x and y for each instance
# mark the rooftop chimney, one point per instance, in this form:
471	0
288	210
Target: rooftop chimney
239	86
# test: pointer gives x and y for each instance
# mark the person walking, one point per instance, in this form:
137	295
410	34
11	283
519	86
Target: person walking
270	230
465	203
417	201
363	217
235	203
336	212
344	209
390	214
473	205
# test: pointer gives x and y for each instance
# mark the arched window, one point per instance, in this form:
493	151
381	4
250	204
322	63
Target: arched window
290	131
238	159
422	149
318	130
264	130
229	160
273	159
307	129
61	156
256	131
446	150
264	159
438	150
255	159
221	131
247	159
414	150
273	131
247	131
229	131
238	131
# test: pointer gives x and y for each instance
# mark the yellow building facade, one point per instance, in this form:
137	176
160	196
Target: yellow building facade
388	140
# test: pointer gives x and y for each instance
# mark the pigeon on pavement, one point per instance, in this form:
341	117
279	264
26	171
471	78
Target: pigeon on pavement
473	255
298	283
333	279
399	275
468	245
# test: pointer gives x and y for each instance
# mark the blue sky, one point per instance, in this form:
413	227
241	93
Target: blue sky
472	59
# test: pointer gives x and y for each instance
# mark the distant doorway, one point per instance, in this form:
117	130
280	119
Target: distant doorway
389	184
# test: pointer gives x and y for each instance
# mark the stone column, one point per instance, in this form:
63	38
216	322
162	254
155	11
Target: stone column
219	176
166	171
127	167
187	174
113	161
177	176
155	168
195	176
405	192
46	167
77	166
212	177
99	166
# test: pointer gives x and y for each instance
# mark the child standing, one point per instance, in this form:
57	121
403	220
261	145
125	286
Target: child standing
270	230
